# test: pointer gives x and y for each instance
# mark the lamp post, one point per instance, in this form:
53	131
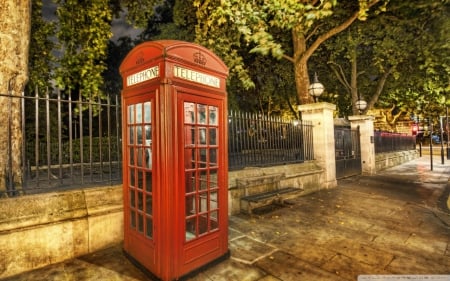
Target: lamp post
361	105
316	88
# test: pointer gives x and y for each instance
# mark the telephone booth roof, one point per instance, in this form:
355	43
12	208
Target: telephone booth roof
177	52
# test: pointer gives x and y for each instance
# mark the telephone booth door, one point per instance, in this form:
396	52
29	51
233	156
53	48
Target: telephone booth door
139	180
175	174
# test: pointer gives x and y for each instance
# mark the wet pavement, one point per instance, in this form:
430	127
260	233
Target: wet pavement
394	223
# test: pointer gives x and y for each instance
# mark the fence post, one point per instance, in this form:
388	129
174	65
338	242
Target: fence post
321	116
366	139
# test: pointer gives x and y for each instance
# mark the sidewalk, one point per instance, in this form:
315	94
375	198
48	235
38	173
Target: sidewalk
396	222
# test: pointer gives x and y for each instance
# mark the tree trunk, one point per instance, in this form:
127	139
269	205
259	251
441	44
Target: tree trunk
14	44
354	81
301	68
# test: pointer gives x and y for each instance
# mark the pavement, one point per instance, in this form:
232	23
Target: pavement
394	224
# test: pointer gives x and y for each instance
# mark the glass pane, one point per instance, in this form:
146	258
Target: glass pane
212	178
202	136
203	206
191	229
147	112
203	158
148	182
132	156
189	137
203	180
149	204
132	199
139	113
201	114
132	219
203	224
190	182
140	183
214	220
132	179
131	114
131	135
139	135
213	157
149	223
148	157
189	113
213	201
140	203
140	223
190	205
213	136
148	135
189	158
213	115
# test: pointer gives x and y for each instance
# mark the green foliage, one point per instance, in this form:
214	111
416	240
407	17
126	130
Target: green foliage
109	147
404	44
40	59
140	11
227	26
84	30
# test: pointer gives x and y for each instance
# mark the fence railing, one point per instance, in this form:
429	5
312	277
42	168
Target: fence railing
68	142
259	140
391	142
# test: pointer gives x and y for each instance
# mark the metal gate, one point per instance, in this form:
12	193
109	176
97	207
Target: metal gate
348	151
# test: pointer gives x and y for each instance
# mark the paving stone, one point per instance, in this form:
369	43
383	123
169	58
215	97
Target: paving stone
417	265
287	267
231	270
249	250
360	252
349	268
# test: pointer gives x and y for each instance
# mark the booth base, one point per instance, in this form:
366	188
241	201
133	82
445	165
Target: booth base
194	272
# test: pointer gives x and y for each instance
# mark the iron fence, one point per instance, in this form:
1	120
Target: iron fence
391	142
68	142
260	140
71	142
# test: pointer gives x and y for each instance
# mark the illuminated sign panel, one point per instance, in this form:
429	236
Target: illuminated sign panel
195	76
142	76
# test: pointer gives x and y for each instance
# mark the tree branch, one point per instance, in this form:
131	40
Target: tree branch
379	89
308	53
340	74
291	59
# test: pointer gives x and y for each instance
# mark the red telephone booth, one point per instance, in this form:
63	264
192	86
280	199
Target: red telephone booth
174	157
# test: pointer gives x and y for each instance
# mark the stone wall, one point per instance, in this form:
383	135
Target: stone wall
309	177
42	229
391	159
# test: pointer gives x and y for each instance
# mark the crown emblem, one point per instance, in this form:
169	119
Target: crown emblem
140	58
199	58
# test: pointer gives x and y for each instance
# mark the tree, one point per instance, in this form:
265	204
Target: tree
41	59
225	26
382	60
84	30
14	42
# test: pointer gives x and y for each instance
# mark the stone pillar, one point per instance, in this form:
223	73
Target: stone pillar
366	137
321	116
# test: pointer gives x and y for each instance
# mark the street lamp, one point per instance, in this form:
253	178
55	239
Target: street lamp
361	105
316	88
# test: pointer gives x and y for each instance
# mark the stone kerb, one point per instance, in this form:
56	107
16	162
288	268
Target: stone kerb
321	116
366	137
